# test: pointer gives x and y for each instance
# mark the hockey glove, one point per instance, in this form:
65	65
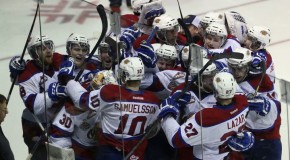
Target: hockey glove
56	91
221	67
168	108
129	36
260	104
183	100
146	53
241	142
15	66
66	71
257	63
88	76
154	13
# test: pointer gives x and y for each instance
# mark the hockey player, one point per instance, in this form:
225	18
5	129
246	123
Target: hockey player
77	129
126	111
216	41
264	117
33	83
192	22
257	39
211	17
228	119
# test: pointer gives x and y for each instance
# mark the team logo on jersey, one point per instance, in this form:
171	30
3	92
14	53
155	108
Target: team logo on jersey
85	125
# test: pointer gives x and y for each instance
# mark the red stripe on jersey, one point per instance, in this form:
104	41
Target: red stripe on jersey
30	70
178	141
128	20
57	60
84	99
266	84
58	132
110	93
274	132
214	116
139	40
29	103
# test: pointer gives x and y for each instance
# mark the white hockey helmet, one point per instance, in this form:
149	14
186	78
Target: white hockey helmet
165	22
35	41
211	17
210	70
156	46
237	25
224	85
261	34
103	77
77	39
233	62
167	52
103	48
217	29
132	68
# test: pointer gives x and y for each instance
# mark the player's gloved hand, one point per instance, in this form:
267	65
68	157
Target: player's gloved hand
56	91
183	100
66	71
260	104
258	62
15	66
168	107
221	67
129	36
88	76
241	141
146	53
154	13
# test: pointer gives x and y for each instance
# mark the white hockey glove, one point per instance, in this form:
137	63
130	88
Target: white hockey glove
241	142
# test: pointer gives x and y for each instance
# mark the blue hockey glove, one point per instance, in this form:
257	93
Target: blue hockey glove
260	104
88	76
183	100
168	108
146	53
56	91
221	67
66	71
258	59
15	66
241	141
129	36
154	13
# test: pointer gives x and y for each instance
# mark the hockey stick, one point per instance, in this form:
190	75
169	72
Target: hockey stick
252	95
103	16
157	121
23	52
179	9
